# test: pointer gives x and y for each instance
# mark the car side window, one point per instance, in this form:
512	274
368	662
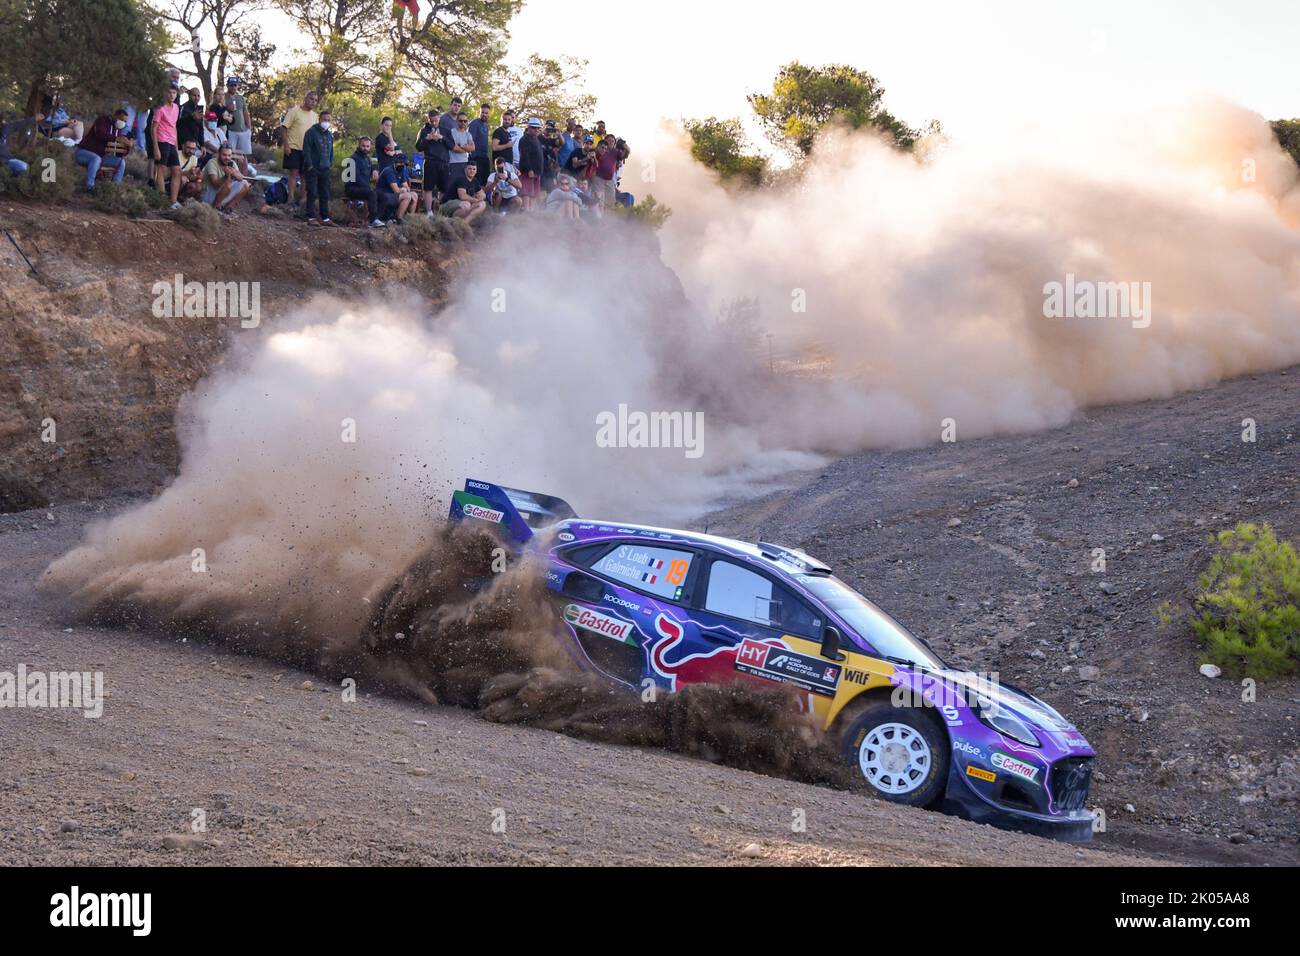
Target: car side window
658	571
739	592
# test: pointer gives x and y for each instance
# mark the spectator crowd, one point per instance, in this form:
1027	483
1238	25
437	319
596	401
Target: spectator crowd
460	165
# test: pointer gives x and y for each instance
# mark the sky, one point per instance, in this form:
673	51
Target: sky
972	66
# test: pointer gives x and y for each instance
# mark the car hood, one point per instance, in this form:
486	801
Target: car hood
1028	708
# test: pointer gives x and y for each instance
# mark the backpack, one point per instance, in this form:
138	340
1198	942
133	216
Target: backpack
277	192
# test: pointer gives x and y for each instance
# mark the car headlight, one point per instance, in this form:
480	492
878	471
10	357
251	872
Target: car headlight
1003	721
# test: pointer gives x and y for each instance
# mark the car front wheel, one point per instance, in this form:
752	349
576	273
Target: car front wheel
901	752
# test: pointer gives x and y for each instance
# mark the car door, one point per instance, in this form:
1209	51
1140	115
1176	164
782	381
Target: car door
612	603
748	625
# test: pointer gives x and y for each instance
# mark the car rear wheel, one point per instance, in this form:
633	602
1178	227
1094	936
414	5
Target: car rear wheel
901	752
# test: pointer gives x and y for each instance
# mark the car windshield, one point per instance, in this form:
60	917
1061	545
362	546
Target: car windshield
882	632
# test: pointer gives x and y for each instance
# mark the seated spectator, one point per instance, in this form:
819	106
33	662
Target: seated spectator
396	197
105	144
12	134
191	171
214	137
358	178
503	186
54	121
564	199
464	198
224	184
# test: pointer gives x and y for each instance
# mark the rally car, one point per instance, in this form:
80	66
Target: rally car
645	606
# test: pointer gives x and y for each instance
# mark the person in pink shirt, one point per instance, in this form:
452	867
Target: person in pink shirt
166	157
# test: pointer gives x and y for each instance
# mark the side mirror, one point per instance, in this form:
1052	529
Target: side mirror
831	644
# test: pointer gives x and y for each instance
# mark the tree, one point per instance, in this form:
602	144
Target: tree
545	87
720	145
210	32
95	52
805	99
1288	136
452	46
344	35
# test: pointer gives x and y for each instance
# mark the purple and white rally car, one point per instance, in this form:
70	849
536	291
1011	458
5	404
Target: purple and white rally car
643	606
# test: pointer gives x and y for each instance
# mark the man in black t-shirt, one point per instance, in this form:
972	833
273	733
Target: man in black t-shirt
437	174
464	198
503	144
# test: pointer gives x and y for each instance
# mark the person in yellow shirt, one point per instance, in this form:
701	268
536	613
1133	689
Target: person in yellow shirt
293	127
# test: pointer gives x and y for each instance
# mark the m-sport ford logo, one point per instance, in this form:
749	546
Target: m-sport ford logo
590	620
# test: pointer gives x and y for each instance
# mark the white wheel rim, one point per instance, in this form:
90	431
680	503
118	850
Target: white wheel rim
894	758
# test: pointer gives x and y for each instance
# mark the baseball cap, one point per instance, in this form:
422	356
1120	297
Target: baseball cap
232	80
535	123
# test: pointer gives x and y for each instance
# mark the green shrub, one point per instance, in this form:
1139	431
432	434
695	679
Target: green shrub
417	227
648	211
200	217
1249	604
52	175
133	201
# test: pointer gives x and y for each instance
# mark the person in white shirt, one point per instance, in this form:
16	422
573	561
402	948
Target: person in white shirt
503	186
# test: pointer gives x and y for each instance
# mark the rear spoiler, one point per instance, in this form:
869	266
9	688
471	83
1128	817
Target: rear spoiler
519	513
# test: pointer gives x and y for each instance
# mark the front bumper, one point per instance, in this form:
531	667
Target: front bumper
963	800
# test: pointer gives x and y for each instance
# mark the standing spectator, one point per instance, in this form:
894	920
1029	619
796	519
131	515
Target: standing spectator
481	130
317	167
579	160
532	164
503	146
190	123
570	142
166	158
396	197
462	144
516	134
503	186
383	140
465	198
293	127
434	144
602	183
105	144
552	143
357	180
224	183
239	125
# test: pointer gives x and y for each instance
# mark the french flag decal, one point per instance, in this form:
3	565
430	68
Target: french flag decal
650	577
